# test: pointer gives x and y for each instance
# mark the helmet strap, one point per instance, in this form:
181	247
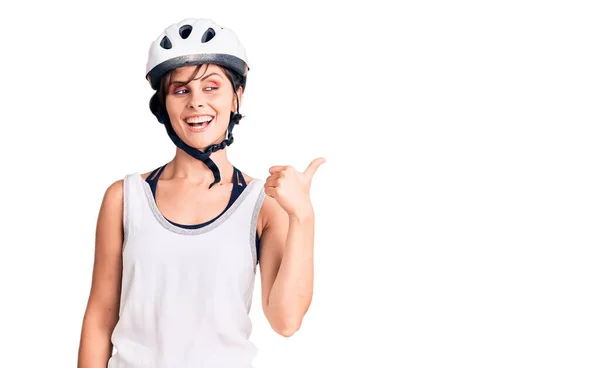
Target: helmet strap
198	154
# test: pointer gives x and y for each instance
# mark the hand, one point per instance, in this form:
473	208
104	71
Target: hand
291	188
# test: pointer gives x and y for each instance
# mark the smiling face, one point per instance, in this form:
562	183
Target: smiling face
199	111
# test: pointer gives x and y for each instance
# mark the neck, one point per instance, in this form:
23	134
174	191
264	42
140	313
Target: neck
184	166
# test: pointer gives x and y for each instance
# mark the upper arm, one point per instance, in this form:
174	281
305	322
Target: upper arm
272	242
105	291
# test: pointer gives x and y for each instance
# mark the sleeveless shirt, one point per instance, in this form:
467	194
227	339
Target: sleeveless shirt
237	178
186	293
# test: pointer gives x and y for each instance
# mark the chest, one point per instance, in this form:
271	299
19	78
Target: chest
189	205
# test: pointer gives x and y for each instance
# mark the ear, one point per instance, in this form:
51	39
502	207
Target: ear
240	94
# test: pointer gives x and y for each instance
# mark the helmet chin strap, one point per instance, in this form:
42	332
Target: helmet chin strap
234	118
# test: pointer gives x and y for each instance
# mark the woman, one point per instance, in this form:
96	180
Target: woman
176	257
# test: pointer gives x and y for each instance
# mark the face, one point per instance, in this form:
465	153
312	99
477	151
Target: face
199	111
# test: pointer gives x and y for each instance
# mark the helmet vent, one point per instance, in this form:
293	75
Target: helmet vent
165	43
184	31
208	35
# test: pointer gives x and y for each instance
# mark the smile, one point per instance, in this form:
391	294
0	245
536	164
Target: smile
199	124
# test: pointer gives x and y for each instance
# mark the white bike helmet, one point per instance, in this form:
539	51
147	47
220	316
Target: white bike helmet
191	42
194	41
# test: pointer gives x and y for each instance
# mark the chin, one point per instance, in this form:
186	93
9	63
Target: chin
201	143
200	140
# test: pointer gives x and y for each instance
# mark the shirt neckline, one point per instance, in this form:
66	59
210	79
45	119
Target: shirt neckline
179	230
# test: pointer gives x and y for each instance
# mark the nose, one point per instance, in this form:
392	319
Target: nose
195	100
194	104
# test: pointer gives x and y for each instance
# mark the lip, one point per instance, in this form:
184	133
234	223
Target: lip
197	116
196	129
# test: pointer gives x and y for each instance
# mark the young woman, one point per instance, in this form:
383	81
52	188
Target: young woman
177	248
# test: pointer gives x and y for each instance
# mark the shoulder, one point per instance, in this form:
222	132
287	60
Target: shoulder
145	175
247	178
111	208
113	197
114	192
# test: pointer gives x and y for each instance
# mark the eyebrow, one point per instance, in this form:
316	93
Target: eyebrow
181	83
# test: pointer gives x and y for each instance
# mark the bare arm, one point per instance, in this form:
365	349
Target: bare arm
286	266
102	312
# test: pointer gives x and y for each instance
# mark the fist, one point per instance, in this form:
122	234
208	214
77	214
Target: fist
291	188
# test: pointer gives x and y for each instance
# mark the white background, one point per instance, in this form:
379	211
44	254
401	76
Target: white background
457	215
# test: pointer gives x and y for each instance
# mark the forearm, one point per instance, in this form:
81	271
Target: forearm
292	289
95	347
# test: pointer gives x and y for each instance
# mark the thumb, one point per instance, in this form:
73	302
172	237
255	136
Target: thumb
314	165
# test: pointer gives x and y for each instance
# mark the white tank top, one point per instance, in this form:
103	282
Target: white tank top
186	293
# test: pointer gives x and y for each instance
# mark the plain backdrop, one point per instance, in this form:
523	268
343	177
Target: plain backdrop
457	215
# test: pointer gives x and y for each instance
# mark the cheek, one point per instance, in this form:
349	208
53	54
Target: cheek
222	104
173	107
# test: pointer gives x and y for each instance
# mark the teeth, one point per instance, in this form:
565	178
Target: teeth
199	119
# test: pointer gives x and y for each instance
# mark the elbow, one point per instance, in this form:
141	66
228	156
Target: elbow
286	327
287	330
286	318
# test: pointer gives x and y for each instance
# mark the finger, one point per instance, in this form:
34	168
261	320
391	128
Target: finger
276	169
314	165
272	179
270	191
271	183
